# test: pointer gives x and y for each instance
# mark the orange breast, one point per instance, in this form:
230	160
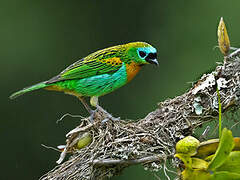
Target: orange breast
132	70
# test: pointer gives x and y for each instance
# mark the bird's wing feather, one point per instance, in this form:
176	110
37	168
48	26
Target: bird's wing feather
88	67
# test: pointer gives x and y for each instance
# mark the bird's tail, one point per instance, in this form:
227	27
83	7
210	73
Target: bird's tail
28	89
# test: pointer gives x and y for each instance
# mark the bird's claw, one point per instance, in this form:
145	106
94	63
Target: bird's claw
110	118
92	115
104	113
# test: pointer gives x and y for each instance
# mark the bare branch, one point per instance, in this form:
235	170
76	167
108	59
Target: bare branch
110	162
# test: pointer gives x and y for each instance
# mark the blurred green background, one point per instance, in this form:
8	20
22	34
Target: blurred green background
38	39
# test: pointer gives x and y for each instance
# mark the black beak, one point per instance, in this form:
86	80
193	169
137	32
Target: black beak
152	58
153	61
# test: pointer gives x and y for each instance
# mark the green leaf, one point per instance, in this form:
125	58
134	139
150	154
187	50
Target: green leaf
225	147
232	164
199	164
207	148
196	174
223	175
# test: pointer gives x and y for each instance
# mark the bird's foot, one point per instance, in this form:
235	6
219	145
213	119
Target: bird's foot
107	115
99	111
92	115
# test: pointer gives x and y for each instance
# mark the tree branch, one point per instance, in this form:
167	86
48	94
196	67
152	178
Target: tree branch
150	141
110	162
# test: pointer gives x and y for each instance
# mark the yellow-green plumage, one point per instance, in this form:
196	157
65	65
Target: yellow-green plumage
100	72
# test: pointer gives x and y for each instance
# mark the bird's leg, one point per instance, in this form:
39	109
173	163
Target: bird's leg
91	112
86	105
94	102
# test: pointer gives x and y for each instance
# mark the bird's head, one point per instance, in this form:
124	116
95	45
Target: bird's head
142	53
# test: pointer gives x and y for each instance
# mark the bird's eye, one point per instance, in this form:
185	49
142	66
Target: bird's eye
152	56
142	54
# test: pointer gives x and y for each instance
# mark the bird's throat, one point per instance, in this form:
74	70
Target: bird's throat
132	69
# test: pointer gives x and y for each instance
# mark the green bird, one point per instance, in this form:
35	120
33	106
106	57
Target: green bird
99	73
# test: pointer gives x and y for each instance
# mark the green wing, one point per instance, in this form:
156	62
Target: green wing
101	62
